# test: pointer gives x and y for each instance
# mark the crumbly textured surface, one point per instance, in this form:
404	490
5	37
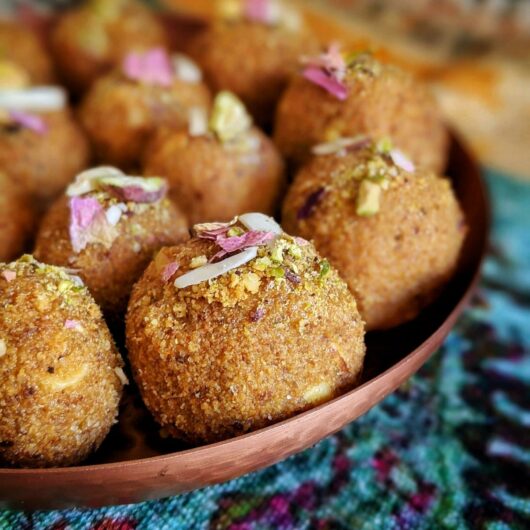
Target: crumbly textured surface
87	42
120	115
214	182
17	219
396	261
251	60
44	164
110	271
249	348
60	373
21	46
383	101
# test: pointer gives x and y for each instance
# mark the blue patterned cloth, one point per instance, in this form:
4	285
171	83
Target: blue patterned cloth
450	449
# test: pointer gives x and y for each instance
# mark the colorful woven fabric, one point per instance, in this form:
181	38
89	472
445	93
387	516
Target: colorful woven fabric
450	449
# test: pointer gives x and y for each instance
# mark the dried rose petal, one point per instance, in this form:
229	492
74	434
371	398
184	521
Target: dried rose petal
212	230
137	194
402	161
9	276
169	270
257	315
33	122
300	241
71	324
310	204
229	245
292	277
257	10
332	61
248	239
324	80
152	67
88	223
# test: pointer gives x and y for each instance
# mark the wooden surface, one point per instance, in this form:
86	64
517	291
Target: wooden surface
392	358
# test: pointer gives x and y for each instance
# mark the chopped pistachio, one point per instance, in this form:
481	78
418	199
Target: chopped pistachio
294	251
324	269
277	272
229	119
384	145
235	231
277	253
251	282
262	264
368	199
198	261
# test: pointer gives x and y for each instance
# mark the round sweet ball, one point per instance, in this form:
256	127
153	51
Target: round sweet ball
61	376
42	150
151	89
343	95
17	219
107	227
240	327
253	53
393	231
22	51
221	167
89	40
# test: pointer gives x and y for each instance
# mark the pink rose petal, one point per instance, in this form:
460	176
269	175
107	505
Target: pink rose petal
33	122
326	81
169	270
213	230
152	67
137	194
9	276
88	223
248	239
257	10
402	161
332	61
71	324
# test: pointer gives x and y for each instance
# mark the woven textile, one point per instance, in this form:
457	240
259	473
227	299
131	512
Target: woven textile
450	449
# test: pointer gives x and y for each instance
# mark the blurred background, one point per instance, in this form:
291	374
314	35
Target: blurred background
474	53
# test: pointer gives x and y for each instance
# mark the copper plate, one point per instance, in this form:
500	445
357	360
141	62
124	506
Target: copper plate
135	463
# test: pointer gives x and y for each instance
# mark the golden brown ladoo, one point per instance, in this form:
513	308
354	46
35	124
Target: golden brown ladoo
221	168
123	109
41	146
393	232
23	50
17	219
90	40
61	376
342	95
107	227
252	51
220	349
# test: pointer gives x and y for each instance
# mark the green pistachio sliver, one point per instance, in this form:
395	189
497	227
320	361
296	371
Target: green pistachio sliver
235	231
229	119
325	269
262	264
368	199
294	251
384	145
277	272
198	261
277	254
